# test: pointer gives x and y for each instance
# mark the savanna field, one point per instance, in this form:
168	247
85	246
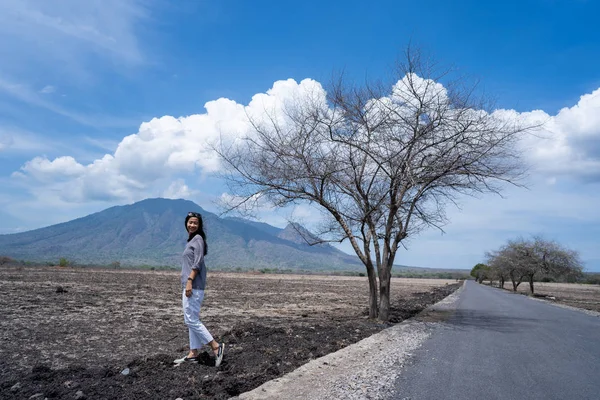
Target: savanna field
99	333
571	294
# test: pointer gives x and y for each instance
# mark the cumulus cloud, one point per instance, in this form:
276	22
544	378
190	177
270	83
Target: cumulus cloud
568	145
427	91
154	160
161	149
61	168
166	148
178	190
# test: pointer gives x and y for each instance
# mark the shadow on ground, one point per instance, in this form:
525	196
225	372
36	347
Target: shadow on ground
475	319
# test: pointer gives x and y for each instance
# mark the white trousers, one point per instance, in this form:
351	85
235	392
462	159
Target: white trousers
199	335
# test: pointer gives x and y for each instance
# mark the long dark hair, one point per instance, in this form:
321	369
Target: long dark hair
199	231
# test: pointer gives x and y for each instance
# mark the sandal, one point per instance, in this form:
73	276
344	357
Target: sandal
186	359
219	355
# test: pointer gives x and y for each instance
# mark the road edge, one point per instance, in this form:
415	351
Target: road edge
365	369
568	307
554	303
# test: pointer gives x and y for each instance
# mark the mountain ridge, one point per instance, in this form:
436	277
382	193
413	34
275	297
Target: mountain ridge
152	232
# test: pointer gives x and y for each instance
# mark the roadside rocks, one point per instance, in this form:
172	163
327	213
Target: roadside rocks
71	384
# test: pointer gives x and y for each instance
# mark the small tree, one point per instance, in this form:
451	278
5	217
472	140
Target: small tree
6	260
549	257
63	262
499	274
528	259
506	262
480	272
381	162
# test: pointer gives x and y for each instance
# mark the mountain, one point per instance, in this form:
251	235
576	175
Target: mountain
152	232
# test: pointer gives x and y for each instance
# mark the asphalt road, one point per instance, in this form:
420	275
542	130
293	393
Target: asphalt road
498	345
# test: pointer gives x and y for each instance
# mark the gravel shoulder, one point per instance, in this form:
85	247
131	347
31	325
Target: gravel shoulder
364	370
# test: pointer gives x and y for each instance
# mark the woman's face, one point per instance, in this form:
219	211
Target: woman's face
192	224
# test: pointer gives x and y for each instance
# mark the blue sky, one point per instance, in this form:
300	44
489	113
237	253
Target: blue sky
91	95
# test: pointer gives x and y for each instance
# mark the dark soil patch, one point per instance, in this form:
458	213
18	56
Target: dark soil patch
256	352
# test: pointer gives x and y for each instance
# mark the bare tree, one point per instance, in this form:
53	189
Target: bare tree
6	260
507	262
499	273
381	162
528	259
549	257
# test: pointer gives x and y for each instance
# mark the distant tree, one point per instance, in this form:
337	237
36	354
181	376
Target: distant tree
382	162
551	258
507	262
592	279
115	264
6	260
480	272
498	273
528	259
63	262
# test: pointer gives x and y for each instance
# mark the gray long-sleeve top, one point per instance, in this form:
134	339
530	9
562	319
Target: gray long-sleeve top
193	258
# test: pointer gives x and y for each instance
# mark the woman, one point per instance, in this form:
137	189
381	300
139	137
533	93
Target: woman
193	280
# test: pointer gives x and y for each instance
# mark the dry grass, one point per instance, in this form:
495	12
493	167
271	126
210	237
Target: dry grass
291	297
571	294
85	326
107	312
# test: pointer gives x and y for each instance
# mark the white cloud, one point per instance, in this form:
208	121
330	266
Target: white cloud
61	168
178	190
153	161
48	89
167	147
163	148
569	143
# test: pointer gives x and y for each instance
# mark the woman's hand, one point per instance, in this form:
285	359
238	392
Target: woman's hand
188	289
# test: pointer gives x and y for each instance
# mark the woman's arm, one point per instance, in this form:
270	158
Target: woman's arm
188	285
198	247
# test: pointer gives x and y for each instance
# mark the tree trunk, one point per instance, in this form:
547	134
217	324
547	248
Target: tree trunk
531	283
502	282
373	309
384	293
515	282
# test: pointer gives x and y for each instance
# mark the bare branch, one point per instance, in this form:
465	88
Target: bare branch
383	163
